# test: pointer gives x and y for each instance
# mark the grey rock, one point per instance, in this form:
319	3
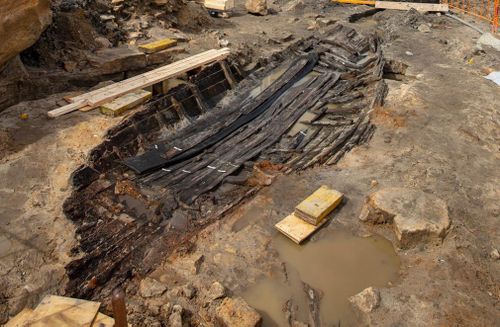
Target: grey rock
488	39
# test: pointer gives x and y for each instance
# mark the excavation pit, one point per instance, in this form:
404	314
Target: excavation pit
198	150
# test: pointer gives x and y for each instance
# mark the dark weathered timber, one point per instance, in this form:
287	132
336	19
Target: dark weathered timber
192	141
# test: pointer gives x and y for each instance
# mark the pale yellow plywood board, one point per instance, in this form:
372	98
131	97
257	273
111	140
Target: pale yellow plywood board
64	312
318	205
21	319
297	229
103	321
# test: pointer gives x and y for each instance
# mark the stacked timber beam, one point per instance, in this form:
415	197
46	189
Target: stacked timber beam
106	94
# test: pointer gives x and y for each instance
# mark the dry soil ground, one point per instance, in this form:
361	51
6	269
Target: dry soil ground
438	132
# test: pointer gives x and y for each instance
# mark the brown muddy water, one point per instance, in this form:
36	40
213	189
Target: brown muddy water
339	266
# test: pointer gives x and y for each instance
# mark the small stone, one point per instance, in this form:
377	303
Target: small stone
324	22
287	37
424	28
177	308
216	291
223	43
313	26
294	5
236	312
154	306
174	293
166	309
196	262
103	42
106	18
175	319
367	300
189	291
70	66
257	7
150	287
297	323
373	183
409	53
494	254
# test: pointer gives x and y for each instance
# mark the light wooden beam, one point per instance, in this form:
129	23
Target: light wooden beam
106	94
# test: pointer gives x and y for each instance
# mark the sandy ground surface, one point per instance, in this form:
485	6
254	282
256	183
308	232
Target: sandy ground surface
438	132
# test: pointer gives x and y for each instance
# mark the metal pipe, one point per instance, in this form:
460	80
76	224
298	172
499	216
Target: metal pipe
119	310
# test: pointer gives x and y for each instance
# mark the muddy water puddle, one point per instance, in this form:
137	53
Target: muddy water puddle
339	266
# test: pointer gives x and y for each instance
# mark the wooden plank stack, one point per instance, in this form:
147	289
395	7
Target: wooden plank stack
109	93
310	214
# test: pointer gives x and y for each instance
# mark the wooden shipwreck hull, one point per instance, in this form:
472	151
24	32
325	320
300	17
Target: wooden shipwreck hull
190	156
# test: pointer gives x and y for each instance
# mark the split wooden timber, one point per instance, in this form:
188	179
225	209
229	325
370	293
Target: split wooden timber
106	94
441	7
357	2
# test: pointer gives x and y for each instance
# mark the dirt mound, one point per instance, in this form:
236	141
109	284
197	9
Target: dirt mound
82	26
67	39
393	21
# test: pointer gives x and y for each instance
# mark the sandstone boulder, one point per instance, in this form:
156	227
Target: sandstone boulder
257	7
417	217
21	24
236	312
